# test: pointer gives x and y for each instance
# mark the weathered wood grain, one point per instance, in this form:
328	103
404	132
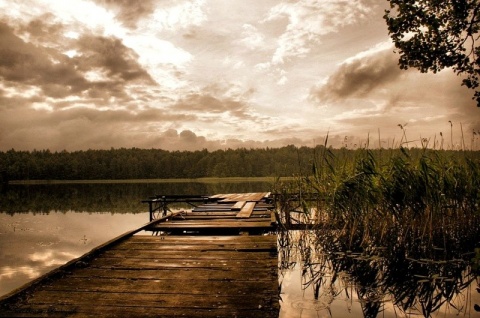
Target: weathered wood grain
239	205
186	276
247	210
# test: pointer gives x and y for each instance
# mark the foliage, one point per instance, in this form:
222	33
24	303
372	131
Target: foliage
425	199
400	224
152	163
438	34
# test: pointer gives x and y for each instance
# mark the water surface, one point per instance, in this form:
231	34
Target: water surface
45	226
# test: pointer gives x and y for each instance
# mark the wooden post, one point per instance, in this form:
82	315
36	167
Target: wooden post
150	207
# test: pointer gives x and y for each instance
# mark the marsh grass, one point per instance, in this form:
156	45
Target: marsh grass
400	222
427	200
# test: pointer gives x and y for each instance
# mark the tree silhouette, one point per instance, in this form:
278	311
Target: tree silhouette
435	34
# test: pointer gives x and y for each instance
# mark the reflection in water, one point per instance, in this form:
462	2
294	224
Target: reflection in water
381	282
319	276
114	198
318	293
31	245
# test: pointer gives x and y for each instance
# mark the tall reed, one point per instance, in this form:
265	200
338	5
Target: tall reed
402	223
423	199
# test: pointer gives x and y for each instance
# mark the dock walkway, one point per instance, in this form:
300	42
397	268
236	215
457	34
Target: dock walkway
186	270
219	214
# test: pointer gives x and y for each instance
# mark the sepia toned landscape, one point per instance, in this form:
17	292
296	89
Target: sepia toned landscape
210	158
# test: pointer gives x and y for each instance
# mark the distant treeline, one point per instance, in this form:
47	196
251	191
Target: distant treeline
134	163
153	163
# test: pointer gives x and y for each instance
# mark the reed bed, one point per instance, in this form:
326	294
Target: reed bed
402	224
424	200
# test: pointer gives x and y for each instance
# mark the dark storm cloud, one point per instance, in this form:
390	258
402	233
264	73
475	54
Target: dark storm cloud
211	104
111	55
25	63
129	12
44	28
59	76
359	77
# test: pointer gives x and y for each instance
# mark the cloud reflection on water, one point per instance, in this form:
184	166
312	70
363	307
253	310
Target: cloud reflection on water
31	245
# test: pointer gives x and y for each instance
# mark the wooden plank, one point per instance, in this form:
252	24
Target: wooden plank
258	196
240	274
216	196
233	215
239	205
194	247
218	254
234	197
207	221
122	310
217	225
247	210
227	211
241	197
193	239
164	301
156	286
145	264
273	217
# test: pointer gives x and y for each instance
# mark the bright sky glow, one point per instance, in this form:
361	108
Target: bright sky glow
209	74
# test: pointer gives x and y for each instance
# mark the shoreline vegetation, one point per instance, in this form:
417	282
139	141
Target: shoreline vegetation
403	226
156	165
173	180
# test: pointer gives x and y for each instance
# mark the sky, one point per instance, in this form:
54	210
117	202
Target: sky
216	74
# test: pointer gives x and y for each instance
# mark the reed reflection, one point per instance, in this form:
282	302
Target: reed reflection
383	281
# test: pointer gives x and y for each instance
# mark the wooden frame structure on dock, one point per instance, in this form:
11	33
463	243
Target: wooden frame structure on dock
235	213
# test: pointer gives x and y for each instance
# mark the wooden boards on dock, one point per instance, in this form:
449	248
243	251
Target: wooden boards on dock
162	276
232	213
197	270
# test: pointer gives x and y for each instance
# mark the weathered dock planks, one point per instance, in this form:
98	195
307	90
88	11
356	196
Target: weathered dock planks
232	213
184	275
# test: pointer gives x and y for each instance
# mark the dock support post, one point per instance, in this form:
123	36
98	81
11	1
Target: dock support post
164	206
150	208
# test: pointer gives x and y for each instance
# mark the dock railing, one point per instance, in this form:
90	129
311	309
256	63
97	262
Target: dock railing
158	205
293	211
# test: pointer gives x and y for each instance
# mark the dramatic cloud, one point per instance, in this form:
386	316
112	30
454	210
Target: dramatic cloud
112	57
129	12
359	76
196	74
370	94
25	63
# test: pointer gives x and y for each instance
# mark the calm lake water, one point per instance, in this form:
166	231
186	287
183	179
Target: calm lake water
45	226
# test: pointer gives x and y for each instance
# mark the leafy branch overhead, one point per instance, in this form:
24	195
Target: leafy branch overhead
435	34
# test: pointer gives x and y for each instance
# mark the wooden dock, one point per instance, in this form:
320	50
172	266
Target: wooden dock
235	213
186	269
